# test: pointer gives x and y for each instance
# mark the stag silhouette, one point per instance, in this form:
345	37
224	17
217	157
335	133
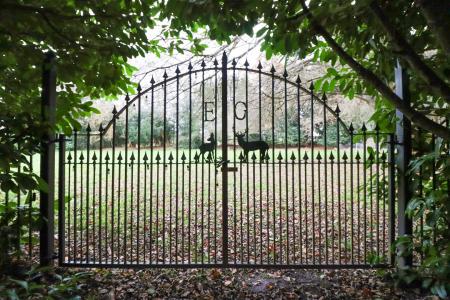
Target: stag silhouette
262	146
208	147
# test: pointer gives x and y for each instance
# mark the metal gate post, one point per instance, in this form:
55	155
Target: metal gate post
225	161
404	151
48	110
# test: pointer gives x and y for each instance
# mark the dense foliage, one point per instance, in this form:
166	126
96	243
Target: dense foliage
361	41
92	42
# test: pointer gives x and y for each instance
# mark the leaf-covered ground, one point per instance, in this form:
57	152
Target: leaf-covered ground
245	284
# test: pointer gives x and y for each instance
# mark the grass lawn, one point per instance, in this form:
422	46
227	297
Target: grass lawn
278	212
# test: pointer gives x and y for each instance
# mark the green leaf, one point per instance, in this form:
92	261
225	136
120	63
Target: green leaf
22	283
12	294
261	31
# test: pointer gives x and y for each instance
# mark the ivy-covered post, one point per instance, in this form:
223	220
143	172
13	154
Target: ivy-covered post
404	151
48	110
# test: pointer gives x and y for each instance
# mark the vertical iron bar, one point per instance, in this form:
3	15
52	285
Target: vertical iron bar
371	158
170	206
272	71
158	158
225	161
94	240
177	125
261	160
164	162
100	188
392	192
294	256
319	158
131	166
202	163
358	183
119	221
286	157
152	115
234	165
338	157
215	159
333	227
377	162
138	179
383	168
298	81
313	204
183	161
113	167
447	123
164	168
75	190
344	158
196	158
70	252
325	157
280	189
352	223
364	162
190	162
254	206
88	154
267	207
247	160
61	202
107	242
81	159
145	160
305	158
125	225
241	209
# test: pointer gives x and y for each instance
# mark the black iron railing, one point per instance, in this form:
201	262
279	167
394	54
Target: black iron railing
281	181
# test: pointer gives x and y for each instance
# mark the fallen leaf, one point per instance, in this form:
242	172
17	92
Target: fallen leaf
215	274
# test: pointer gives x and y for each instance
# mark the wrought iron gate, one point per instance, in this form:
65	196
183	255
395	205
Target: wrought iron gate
227	166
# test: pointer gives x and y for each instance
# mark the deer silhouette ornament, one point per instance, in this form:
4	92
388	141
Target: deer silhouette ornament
262	146
208	148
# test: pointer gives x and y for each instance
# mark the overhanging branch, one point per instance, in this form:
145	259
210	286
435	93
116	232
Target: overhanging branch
412	58
416	117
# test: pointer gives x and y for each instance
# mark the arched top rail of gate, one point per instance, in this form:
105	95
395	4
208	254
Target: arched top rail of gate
216	68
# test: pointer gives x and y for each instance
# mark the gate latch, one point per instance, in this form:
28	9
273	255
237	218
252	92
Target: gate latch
229	169
220	164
